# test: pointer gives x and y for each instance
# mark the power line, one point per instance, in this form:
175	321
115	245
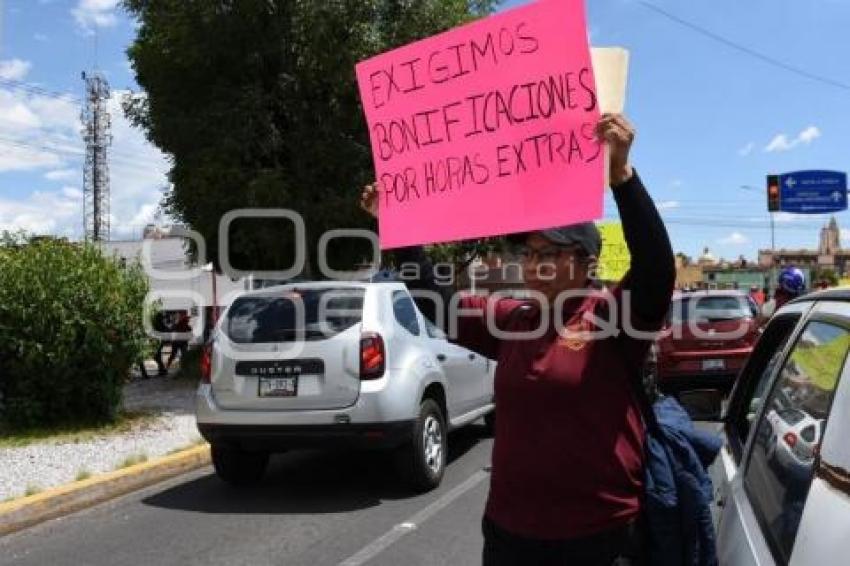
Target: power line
141	166
744	49
33	89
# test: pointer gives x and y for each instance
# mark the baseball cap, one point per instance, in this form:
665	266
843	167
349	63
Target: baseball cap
585	235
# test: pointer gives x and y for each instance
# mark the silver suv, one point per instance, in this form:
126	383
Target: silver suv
335	364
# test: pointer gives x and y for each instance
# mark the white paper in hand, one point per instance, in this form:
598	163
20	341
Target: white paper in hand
611	70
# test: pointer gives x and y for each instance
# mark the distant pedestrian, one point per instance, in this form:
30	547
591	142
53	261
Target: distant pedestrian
757	295
183	326
162	324
791	284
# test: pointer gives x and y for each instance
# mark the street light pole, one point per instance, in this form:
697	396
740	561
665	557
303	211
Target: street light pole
772	235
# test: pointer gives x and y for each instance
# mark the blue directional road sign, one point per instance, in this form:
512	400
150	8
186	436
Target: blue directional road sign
813	192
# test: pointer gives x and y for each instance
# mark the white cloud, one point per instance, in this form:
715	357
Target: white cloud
735	238
16	115
676	184
145	215
809	135
747	149
90	14
781	142
72	193
62	174
22	158
138	174
845	236
14	69
41	37
37	131
667	205
51	212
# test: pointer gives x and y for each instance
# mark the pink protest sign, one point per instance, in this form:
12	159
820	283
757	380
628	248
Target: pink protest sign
487	128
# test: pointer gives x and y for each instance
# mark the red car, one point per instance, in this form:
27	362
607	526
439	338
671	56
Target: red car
707	339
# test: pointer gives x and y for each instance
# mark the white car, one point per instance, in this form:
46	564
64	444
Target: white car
336	364
783	477
794	438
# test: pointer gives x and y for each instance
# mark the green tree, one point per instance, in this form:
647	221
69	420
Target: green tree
256	103
824	274
70	329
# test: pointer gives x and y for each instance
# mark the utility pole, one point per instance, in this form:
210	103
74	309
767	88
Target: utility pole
97	136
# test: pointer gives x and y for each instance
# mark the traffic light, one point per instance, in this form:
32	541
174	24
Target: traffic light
773	193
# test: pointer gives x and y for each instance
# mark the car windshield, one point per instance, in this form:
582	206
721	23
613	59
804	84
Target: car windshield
312	314
709	309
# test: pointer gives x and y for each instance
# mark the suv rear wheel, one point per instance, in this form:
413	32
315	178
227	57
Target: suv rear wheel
424	460
238	467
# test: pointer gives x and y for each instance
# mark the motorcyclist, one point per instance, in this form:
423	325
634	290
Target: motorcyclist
791	284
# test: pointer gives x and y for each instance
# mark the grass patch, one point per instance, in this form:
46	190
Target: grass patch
74	433
132	461
83	475
32	490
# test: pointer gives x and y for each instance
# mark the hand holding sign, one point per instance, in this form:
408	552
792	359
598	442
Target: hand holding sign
619	134
369	199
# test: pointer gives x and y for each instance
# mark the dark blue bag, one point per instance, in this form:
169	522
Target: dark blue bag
678	490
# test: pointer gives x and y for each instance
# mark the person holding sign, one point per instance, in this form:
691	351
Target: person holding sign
567	468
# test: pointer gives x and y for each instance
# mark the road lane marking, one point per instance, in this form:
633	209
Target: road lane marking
383	542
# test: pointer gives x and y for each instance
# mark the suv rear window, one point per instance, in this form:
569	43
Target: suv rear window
262	319
710	309
791	416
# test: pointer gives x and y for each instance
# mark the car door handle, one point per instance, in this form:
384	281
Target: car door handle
441	357
471	356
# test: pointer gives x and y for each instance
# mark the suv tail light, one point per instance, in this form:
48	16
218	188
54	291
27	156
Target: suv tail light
206	364
790	439
372	356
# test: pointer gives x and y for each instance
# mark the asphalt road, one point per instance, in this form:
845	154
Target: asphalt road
313	509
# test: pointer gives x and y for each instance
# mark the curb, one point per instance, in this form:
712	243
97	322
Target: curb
64	500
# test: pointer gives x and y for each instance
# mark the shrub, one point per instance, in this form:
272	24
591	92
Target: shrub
70	328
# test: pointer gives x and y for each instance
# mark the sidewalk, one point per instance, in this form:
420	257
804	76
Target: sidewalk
47	464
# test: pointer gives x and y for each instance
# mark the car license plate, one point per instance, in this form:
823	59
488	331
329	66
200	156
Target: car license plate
278	386
709	365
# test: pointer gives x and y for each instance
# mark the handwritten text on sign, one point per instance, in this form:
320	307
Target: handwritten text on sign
486	129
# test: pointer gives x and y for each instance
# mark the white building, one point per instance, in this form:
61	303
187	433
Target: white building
174	279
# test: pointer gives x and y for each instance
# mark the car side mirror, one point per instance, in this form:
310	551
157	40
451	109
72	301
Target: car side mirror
703	404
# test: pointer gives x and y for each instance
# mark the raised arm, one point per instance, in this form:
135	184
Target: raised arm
652	273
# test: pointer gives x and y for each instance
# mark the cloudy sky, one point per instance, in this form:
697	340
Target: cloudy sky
723	92
44	46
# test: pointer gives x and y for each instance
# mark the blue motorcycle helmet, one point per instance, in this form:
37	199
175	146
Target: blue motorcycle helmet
792	280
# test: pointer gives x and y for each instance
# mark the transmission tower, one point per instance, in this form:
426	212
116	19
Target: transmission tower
96	134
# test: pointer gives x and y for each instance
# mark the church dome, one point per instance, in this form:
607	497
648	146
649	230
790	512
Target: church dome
707	258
